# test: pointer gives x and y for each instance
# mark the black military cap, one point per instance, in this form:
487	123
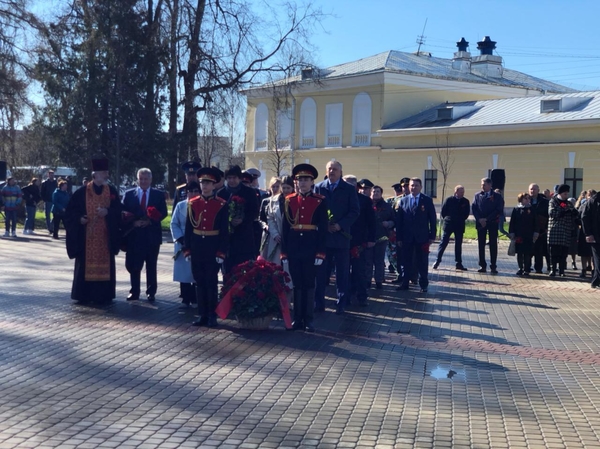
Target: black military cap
365	183
404	181
190	167
397	186
234	170
221	174
209	174
254	172
247	177
301	170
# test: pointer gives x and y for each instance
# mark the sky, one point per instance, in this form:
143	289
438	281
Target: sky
551	39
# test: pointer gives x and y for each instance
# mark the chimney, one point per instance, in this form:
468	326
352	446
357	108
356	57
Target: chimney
487	64
462	58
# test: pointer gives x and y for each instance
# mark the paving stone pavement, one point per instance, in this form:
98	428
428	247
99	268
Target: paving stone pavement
479	361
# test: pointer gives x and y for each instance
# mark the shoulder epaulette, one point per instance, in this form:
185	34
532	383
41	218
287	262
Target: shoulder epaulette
291	195
181	186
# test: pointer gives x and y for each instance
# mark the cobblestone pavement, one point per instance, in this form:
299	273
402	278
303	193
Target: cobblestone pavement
478	361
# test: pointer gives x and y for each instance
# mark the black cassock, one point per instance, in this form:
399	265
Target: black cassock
91	291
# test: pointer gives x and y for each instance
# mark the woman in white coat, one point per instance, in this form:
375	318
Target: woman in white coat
182	268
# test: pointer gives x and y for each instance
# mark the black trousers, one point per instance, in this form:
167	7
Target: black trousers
596	257
492	231
303	272
358	277
134	262
206	275
188	293
416	260
558	256
540	252
458	240
524	261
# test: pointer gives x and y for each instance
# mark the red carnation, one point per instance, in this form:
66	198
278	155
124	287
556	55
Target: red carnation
563	205
153	213
238	199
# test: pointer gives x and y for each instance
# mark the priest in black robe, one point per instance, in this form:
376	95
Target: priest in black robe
92	221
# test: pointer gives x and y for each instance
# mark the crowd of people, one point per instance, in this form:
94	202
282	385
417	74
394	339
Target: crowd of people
340	225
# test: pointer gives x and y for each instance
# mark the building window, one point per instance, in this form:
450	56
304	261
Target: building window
333	124
430	183
574	179
284	129
261	127
361	120
308	124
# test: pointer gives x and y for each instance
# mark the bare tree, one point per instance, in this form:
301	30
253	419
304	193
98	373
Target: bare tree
444	160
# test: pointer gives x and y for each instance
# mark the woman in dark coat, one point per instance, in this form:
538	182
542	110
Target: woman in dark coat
561	225
584	249
524	228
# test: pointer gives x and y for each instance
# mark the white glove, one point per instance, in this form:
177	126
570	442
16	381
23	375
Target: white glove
318	262
219	260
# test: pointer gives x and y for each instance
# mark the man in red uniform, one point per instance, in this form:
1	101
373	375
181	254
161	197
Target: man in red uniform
305	225
206	240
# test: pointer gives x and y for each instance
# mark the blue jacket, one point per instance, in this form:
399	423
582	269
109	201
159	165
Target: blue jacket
60	200
490	208
152	234
343	210
418	225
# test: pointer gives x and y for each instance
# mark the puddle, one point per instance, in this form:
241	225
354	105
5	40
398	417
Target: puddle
441	373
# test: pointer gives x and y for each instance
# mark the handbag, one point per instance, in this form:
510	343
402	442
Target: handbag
512	247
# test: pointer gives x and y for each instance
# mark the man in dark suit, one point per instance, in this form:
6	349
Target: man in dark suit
590	223
487	207
241	237
415	232
343	205
361	245
148	208
455	211
540	204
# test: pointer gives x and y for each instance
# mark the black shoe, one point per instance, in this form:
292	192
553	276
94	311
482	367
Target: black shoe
132	297
378	286
423	290
562	274
402	287
202	321
526	273
212	322
519	273
574	265
539	272
552	273
309	328
435	265
460	268
482	270
415	282
298	326
391	269
582	275
185	306
151	298
494	271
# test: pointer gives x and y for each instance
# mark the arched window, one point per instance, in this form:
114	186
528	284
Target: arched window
261	127
334	119
284	129
361	120
308	124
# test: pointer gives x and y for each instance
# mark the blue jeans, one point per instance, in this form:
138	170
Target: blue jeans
30	222
47	210
341	258
11	220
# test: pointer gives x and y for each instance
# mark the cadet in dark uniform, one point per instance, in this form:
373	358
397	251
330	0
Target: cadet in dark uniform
305	225
206	240
190	168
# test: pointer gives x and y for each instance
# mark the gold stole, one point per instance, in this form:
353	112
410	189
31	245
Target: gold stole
97	253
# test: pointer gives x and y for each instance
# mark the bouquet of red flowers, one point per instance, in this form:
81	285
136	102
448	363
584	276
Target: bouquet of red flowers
254	289
153	214
355	251
236	209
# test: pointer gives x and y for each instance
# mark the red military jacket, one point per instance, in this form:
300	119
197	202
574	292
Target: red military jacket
207	225
304	226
